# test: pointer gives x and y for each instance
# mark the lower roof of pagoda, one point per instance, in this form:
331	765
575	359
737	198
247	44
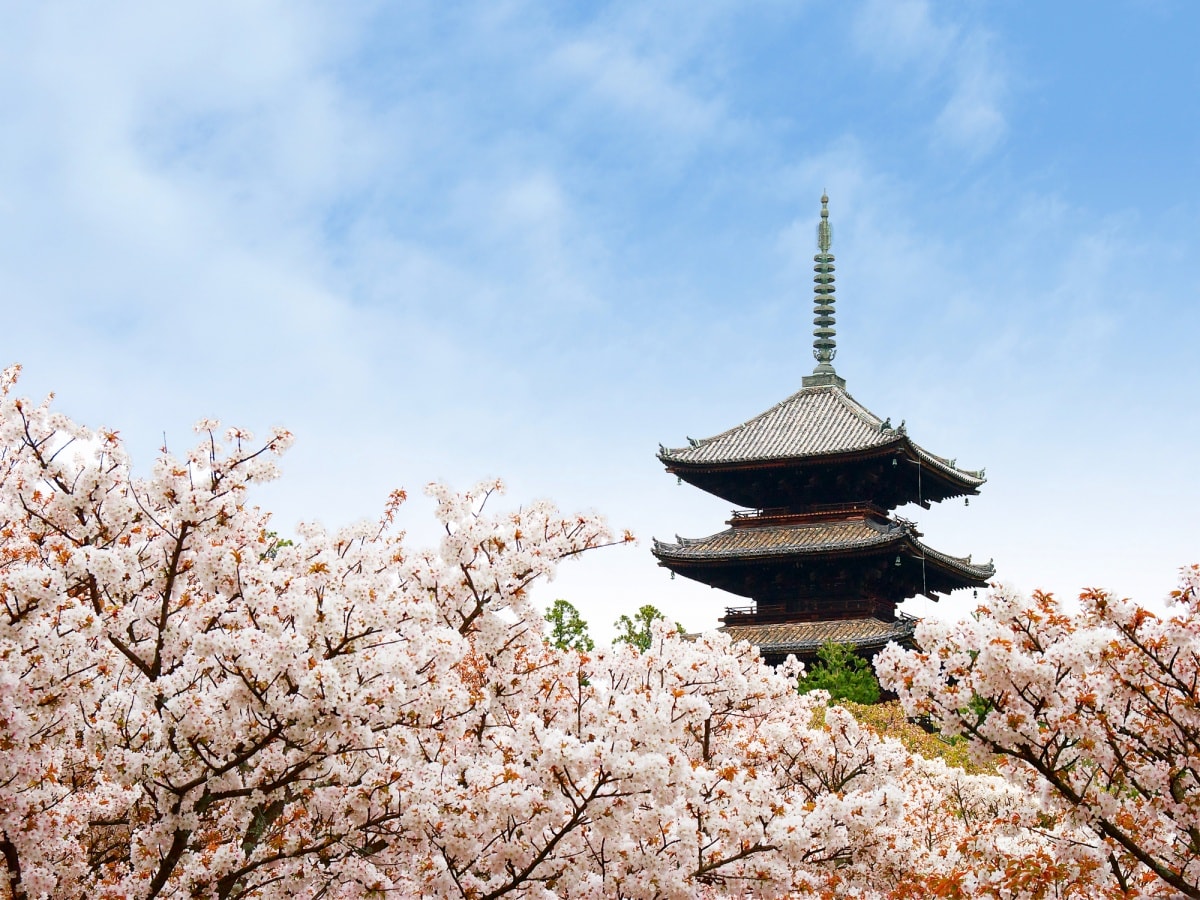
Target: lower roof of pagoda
806	638
810	541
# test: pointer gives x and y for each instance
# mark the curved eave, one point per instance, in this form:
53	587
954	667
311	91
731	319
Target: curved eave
679	553
780	541
957	482
675	461
979	575
971	480
691	552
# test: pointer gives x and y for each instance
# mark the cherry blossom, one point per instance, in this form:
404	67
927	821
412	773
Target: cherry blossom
1095	712
191	706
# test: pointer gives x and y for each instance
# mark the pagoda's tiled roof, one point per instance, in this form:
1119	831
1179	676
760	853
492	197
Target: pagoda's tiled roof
810	538
961	563
806	637
777	539
816	421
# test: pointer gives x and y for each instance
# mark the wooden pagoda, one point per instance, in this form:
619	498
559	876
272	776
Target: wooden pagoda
816	548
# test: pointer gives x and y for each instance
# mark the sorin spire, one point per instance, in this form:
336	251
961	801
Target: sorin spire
824	334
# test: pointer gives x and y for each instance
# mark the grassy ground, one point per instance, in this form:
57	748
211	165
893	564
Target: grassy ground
888	719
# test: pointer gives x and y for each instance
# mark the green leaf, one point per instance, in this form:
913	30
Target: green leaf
568	630
842	672
637	631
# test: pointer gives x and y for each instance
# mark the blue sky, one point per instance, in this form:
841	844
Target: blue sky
452	241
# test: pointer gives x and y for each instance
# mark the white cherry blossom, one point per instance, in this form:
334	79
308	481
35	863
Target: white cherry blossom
191	707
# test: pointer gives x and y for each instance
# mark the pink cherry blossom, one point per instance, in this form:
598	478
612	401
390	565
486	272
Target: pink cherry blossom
192	707
1095	712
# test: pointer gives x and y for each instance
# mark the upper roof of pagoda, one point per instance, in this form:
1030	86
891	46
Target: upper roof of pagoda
818	421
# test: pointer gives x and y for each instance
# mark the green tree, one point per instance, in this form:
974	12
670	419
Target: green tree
568	630
842	672
637	631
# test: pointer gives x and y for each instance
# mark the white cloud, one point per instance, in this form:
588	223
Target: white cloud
407	235
899	34
636	85
164	207
956	64
973	119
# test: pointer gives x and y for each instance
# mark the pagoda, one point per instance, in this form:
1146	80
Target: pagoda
815	546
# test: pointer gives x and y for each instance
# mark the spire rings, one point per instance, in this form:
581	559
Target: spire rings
824	318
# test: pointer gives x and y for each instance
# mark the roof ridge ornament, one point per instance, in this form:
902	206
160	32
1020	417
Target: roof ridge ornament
824	320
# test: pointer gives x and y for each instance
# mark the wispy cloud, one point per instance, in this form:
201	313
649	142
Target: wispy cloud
453	240
899	34
636	85
956	64
973	118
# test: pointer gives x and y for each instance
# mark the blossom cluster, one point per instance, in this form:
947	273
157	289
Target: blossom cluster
1095	711
191	706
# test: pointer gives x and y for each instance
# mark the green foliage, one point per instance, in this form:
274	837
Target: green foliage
568	630
637	631
274	544
842	672
979	708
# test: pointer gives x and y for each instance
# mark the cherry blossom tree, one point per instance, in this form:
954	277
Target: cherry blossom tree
1096	711
190	706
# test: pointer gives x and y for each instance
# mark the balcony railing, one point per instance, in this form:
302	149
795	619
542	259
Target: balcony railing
808	512
771	616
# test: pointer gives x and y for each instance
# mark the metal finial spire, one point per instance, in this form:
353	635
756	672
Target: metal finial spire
824	343
824	229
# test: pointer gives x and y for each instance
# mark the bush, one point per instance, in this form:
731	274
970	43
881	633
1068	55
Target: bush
842	672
